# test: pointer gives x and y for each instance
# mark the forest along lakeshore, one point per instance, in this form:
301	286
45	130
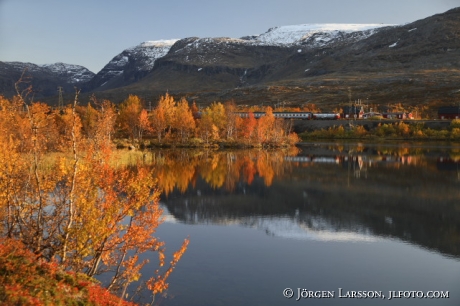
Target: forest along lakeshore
99	204
71	211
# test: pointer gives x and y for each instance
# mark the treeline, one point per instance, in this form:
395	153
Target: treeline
171	122
178	123
398	130
65	201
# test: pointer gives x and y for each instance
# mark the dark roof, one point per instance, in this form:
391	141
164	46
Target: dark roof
449	110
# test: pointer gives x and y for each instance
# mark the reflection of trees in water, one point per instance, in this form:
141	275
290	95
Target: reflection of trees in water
403	196
303	207
180	168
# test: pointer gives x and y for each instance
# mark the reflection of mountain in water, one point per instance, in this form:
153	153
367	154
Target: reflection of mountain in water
404	198
303	228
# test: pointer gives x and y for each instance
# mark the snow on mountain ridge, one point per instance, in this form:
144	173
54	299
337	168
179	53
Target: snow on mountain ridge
140	59
157	43
60	67
288	35
73	73
133	63
314	34
148	51
25	65
153	50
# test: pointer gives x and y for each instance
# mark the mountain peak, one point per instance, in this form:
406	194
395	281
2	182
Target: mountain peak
131	64
156	43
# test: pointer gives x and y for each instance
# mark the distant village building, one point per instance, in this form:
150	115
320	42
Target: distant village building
397	115
449	112
372	115
352	112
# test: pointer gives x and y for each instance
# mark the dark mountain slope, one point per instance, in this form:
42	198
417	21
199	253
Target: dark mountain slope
44	79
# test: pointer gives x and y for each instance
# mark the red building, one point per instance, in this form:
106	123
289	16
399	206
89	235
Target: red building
449	112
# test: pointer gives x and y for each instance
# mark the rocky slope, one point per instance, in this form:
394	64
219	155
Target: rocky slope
129	66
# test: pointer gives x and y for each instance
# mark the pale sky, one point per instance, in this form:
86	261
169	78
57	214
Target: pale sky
91	32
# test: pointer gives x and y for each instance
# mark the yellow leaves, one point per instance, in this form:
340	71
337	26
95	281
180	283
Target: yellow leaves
161	258
63	168
157	284
168	107
178	254
183	119
75	206
128	119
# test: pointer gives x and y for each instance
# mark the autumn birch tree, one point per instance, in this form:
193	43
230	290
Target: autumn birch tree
248	127
232	120
158	120
77	209
265	126
144	125
128	120
168	106
184	122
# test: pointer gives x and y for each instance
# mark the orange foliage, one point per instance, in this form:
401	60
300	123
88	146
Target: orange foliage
143	124
248	127
28	280
128	119
183	120
76	209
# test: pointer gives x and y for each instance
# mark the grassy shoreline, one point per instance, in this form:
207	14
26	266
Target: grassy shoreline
398	131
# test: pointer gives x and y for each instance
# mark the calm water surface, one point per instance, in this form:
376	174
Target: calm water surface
361	217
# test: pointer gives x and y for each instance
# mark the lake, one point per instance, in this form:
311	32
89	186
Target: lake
336	223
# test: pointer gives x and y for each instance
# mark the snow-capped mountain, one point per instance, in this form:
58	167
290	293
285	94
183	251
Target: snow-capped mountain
241	56
44	78
304	35
135	63
295	35
152	50
300	60
74	74
316	34
130	65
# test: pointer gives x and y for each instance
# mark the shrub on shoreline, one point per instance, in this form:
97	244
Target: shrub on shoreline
398	130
